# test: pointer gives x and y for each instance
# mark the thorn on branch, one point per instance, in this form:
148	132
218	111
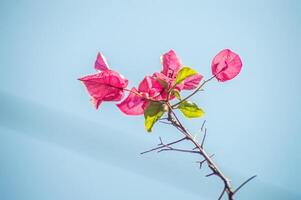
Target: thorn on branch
211	174
203	161
203	125
205	134
202	144
161	142
163	122
164	118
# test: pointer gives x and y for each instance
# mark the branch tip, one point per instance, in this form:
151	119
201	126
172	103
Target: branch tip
211	174
244	183
203	125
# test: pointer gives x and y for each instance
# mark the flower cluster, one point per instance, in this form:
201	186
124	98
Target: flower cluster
154	93
157	86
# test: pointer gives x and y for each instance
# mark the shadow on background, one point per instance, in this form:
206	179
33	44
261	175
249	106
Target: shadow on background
86	138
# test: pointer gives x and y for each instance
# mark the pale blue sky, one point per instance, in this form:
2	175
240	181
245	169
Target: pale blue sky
55	145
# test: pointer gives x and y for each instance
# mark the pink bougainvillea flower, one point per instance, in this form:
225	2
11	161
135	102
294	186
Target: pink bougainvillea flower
226	65
137	101
161	77
107	85
171	66
151	88
101	63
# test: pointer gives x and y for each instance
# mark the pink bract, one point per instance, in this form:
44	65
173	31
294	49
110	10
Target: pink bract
226	65
137	100
101	63
150	87
107	85
170	81
133	104
171	64
192	82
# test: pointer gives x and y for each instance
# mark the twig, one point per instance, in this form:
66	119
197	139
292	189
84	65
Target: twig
222	194
175	149
203	125
202	144
196	90
213	173
163	122
244	183
161	145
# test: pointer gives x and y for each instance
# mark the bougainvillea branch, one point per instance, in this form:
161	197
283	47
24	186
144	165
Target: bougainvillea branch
155	96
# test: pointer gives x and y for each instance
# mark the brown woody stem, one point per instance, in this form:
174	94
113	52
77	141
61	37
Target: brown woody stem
214	168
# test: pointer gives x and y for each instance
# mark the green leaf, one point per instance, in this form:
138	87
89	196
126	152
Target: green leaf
152	114
191	110
177	94
184	73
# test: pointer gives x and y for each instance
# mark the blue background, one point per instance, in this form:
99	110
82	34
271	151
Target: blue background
55	145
